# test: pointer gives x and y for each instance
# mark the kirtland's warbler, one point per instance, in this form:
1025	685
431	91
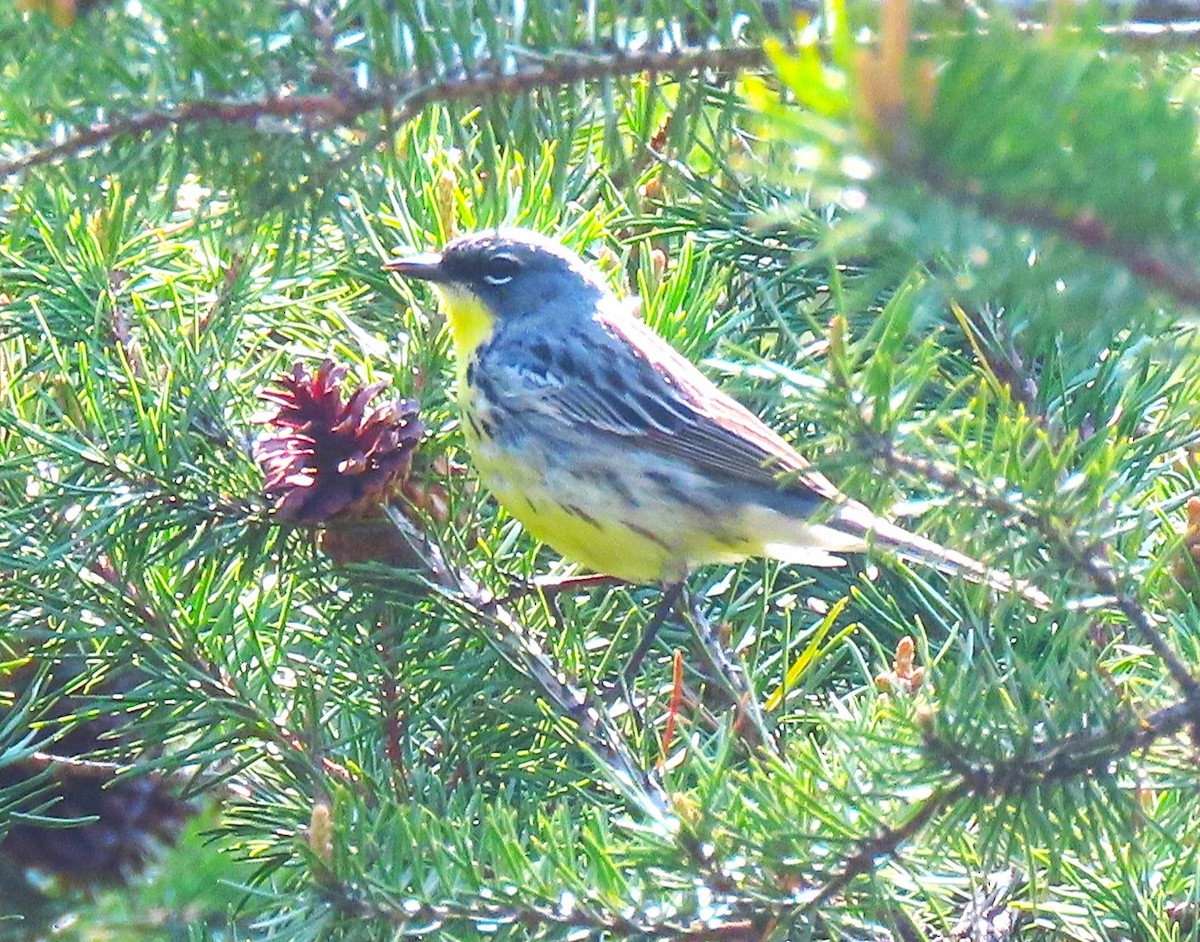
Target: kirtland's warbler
614	449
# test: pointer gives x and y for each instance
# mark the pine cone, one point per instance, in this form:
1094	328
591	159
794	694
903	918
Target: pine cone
134	816
325	456
329	460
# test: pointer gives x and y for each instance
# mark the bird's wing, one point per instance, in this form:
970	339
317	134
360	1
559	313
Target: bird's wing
618	378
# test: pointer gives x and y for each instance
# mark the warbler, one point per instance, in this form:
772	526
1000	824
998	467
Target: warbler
614	449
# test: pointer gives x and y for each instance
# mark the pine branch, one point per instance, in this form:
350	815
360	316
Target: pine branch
886	844
1089	560
76	767
735	678
1141	32
401	99
1180	280
599	731
993	345
809	840
420	918
1069	757
397	99
220	686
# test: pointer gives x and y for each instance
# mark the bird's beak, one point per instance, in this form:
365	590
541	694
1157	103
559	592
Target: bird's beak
426	267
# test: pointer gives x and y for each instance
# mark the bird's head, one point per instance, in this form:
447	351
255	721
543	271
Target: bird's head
491	278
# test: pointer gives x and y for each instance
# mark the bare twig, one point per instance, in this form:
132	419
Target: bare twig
325	108
732	674
557	585
885	845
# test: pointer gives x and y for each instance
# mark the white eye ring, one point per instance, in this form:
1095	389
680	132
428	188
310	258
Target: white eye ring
497	279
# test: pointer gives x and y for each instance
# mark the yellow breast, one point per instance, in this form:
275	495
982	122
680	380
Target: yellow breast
471	324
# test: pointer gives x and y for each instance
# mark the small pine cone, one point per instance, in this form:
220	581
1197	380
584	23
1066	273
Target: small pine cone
329	460
325	456
134	816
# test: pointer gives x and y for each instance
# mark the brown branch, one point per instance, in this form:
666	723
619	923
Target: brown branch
751	723
569	69
393	715
399	100
885	844
1180	281
993	344
1070	757
325	107
429	916
221	685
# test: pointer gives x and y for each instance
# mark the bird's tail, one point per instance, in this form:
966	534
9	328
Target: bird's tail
856	520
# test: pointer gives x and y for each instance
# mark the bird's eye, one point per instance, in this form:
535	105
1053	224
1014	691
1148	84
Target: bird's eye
500	269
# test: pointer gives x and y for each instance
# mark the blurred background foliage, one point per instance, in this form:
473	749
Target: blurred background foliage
949	250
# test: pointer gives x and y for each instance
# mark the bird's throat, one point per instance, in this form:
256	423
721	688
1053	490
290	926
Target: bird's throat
471	323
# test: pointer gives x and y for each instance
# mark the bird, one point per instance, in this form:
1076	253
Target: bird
613	448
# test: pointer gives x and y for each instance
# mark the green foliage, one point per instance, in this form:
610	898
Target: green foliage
940	306
1048	176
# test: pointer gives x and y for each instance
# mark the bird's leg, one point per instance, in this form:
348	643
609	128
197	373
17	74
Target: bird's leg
666	604
730	673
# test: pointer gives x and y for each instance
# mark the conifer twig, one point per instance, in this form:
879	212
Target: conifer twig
223	686
884	845
1089	560
431	916
734	677
1175	277
78	767
599	732
399	99
1066	758
993	344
